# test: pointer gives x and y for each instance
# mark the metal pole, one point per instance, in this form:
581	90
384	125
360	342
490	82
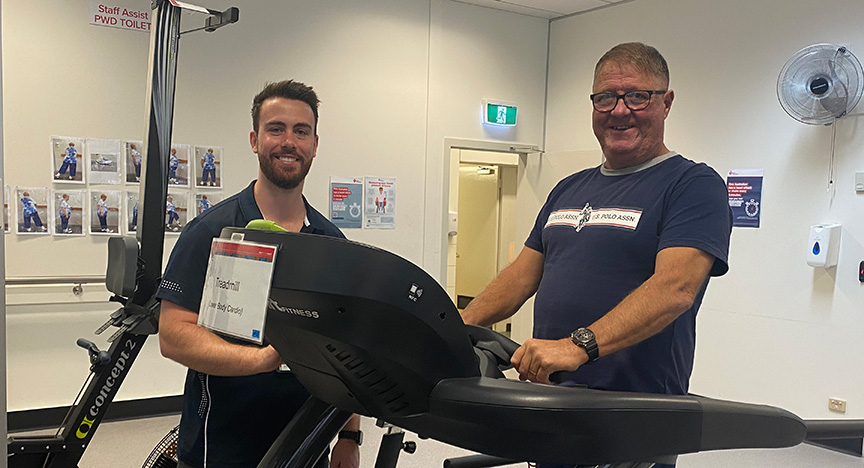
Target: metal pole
162	75
306	437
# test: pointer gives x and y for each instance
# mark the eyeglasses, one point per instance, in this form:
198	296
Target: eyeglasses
634	100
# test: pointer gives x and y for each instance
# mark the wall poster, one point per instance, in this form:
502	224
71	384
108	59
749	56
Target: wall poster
346	202
745	196
380	205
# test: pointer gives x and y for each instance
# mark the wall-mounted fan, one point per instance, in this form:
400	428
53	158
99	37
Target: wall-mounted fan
820	84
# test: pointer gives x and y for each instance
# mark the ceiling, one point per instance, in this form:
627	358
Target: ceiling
549	9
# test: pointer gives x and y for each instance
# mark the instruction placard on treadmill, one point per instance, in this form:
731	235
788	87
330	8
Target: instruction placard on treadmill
236	289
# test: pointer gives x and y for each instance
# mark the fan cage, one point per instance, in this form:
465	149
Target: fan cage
164	455
820	84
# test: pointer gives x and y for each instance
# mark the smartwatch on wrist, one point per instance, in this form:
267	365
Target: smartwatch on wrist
356	436
584	338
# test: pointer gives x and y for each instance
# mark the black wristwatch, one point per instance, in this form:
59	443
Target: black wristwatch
356	436
584	338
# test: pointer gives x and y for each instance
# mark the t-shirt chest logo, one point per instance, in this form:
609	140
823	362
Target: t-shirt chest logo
587	216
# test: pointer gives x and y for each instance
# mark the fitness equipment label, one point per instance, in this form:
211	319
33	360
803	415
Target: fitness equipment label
236	289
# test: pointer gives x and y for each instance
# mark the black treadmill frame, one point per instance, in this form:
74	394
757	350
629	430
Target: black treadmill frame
367	332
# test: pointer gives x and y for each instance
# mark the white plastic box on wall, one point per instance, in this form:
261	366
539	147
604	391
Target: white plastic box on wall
824	245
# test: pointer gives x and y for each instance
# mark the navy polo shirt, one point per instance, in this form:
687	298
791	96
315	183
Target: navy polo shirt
229	421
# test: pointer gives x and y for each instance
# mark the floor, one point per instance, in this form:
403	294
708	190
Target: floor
126	444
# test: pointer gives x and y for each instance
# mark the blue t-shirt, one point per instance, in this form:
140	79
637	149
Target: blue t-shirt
235	419
600	232
29	206
71	155
209	161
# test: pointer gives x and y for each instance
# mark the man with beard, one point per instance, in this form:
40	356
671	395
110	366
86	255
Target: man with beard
236	399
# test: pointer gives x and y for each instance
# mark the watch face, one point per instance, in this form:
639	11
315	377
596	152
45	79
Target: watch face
583	335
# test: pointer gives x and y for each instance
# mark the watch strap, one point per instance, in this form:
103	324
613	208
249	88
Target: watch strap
585	339
356	436
592	350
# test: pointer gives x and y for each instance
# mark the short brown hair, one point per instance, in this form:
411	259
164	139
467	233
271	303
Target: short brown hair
288	89
638	55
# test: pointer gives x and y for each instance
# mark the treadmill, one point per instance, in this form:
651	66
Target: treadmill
368	332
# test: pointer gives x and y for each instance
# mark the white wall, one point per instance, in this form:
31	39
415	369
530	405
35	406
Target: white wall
395	78
64	77
772	330
46	368
475	54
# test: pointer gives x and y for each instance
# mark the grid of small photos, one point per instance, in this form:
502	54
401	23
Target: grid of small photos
95	185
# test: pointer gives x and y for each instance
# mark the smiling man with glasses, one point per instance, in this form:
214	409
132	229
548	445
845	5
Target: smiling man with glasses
620	254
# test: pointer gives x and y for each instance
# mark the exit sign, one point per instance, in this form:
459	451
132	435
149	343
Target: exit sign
499	113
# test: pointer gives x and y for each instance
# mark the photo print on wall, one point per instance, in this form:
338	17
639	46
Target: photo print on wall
131	212
103	161
205	200
68	208
176	212
104	211
66	154
133	151
209	166
178	165
32	212
6	224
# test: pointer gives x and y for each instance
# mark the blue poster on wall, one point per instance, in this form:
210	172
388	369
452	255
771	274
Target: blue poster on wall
745	196
346	202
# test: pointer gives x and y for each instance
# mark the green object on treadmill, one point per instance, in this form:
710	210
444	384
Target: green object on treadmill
265	225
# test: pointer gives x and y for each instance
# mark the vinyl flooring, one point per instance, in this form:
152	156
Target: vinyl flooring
126	444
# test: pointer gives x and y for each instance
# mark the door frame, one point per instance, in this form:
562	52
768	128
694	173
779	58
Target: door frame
522	149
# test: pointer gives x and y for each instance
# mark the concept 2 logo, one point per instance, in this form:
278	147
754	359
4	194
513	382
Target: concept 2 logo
111	384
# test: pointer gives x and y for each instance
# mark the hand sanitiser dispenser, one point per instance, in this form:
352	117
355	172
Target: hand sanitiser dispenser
824	245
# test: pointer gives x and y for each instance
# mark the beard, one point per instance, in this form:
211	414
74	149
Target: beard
281	179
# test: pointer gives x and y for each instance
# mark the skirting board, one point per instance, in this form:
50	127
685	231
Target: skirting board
45	418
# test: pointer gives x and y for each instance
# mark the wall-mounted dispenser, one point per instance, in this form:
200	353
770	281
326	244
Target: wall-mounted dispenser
824	245
452	223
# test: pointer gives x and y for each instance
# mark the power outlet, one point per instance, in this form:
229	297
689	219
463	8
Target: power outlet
836	404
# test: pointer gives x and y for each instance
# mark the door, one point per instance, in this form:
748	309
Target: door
477	245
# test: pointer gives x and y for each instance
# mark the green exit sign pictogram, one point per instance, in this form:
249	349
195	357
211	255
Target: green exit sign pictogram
498	113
